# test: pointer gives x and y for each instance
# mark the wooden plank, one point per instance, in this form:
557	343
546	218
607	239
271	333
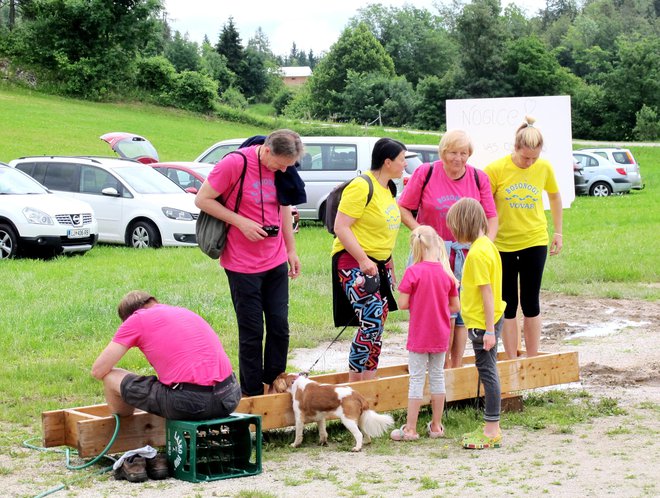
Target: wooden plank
140	429
90	428
53	428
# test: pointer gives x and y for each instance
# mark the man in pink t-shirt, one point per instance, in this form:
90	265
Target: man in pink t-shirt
260	254
194	375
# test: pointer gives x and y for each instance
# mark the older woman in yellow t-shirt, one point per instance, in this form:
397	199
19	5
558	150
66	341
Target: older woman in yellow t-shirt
518	181
366	233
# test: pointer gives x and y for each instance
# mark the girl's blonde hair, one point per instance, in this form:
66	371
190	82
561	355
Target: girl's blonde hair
528	136
425	241
467	220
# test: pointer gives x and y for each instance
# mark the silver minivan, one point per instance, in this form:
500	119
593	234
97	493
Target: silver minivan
328	161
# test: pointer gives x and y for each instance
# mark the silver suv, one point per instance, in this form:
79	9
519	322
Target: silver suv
622	157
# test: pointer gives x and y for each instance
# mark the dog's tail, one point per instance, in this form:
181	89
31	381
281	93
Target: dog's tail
375	424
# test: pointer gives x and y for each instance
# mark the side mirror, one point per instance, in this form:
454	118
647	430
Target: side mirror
110	191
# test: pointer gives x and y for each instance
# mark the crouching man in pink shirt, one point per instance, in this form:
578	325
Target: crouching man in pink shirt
194	376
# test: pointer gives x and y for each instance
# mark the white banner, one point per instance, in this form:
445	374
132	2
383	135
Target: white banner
492	124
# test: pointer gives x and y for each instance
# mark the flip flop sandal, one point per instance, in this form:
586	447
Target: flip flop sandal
479	441
435	435
400	435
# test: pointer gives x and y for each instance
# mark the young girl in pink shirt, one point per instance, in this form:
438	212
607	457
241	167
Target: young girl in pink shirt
429	290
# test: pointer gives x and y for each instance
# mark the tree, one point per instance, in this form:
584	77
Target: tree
414	38
99	62
183	53
531	68
633	83
229	45
252	77
356	49
481	38
214	65
260	43
371	96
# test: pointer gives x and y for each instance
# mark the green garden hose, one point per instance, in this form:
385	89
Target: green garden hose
67	452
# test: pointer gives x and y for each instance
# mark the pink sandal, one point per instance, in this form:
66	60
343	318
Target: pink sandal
400	435
435	435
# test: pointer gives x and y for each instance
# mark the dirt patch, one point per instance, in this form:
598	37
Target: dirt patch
618	455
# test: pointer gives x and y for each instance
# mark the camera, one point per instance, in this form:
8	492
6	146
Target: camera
271	230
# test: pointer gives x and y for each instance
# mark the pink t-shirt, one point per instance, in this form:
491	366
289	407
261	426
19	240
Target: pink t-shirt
430	288
179	344
241	255
442	192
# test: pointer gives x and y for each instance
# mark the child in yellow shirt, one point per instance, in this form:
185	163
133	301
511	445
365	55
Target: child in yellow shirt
482	309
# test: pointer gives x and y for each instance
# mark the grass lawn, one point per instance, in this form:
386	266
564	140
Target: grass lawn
58	315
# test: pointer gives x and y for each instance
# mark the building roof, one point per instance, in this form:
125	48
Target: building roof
296	71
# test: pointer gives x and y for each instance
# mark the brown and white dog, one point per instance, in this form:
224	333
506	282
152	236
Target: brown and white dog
313	402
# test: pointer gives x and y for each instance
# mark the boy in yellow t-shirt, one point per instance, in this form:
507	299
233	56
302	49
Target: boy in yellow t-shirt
482	309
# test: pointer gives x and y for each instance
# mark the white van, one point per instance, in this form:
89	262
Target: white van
328	161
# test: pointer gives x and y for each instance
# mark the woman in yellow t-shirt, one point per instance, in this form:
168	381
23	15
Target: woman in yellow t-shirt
366	230
518	181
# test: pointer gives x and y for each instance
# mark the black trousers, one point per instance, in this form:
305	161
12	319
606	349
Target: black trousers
259	297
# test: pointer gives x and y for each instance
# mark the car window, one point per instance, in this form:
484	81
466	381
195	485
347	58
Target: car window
94	180
585	161
621	158
218	153
62	176
183	179
15	182
146	180
601	154
329	157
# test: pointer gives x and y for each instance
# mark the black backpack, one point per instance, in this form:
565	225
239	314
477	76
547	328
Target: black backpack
334	198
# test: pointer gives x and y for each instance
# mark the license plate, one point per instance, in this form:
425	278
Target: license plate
78	233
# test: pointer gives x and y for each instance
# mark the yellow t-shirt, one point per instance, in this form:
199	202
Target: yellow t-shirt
377	224
483	266
518	197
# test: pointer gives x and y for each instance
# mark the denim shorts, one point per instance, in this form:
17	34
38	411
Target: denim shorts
459	319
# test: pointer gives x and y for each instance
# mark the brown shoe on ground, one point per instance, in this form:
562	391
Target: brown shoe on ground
133	469
157	467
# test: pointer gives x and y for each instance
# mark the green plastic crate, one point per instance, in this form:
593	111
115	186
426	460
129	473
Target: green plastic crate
209	450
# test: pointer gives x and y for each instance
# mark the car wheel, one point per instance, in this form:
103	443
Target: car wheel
8	242
143	234
600	189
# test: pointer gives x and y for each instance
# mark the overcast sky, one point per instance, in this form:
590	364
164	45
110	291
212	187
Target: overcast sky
311	24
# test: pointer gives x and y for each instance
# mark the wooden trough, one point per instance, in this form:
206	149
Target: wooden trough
90	428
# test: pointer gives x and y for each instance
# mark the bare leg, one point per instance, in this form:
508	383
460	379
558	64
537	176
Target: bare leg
532	331
510	337
357	376
112	390
458	347
492	429
438	406
413	413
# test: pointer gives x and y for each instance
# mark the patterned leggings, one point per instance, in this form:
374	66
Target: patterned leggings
371	312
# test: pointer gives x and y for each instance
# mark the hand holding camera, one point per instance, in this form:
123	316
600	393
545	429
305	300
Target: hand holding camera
271	230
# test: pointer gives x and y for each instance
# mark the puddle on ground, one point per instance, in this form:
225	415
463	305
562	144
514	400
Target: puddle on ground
605	329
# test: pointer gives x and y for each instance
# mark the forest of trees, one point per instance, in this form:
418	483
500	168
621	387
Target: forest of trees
397	65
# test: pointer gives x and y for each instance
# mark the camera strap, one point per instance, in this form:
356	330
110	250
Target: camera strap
261	191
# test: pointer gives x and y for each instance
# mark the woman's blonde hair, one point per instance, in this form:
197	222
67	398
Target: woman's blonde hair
132	302
467	220
425	241
528	136
455	139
